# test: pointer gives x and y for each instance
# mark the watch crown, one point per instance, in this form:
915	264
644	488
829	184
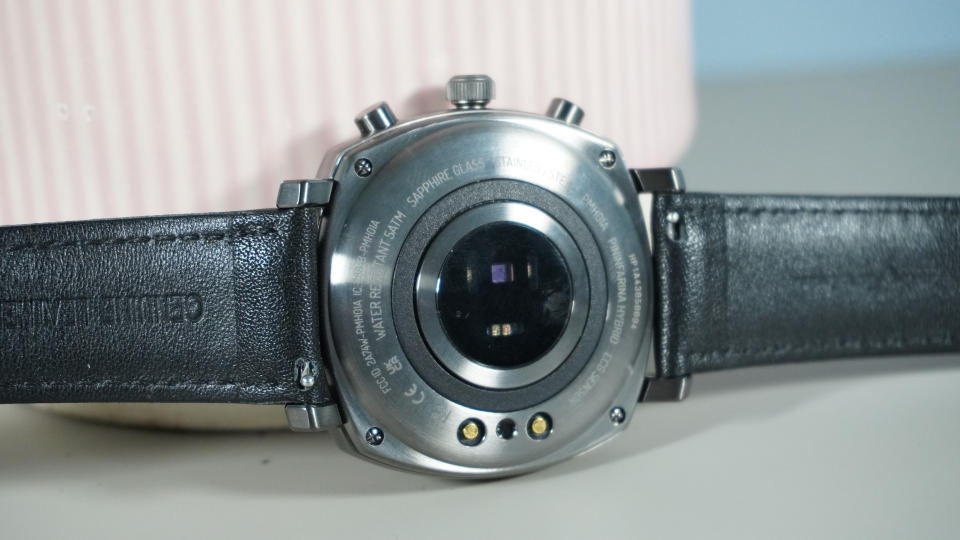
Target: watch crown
470	91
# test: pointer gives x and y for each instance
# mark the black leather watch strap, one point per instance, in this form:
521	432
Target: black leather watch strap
745	280
194	308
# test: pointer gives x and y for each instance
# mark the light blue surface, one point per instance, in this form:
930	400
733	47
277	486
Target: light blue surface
735	38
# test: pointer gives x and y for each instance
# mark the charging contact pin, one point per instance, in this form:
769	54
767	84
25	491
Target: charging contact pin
471	432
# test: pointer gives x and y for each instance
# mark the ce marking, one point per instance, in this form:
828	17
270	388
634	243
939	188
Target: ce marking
413	390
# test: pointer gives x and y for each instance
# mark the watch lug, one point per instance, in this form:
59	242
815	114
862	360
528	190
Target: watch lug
304	417
649	181
663	180
301	193
655	389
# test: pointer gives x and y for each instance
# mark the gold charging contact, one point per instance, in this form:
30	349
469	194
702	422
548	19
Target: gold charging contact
540	426
471	432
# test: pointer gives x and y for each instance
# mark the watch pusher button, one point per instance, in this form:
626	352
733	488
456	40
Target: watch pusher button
376	118
565	111
470	91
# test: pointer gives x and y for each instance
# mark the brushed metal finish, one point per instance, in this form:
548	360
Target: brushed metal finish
422	161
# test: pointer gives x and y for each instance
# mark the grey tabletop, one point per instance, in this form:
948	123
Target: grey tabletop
850	449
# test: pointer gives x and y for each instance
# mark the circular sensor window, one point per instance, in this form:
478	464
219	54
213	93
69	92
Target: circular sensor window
504	295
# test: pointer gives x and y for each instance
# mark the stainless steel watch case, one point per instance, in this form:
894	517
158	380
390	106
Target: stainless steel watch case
384	182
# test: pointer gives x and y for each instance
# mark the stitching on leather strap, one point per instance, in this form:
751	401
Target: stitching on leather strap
158	239
847	344
277	386
840	211
711	206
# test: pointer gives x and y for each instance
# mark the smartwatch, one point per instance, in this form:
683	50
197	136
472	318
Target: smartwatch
472	293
